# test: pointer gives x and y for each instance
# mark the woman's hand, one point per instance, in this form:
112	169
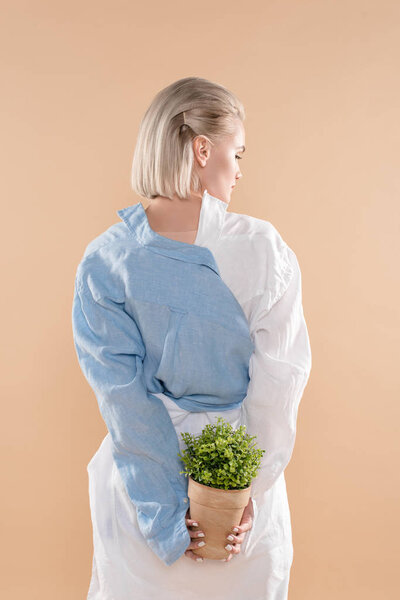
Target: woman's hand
236	538
193	534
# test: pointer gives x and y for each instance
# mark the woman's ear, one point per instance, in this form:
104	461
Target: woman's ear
201	149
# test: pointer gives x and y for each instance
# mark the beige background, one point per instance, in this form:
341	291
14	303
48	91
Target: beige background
320	85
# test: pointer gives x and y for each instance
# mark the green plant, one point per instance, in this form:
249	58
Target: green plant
221	457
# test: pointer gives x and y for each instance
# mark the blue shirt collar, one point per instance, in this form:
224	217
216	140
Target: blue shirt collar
212	215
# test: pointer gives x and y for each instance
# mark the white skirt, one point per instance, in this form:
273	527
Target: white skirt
125	568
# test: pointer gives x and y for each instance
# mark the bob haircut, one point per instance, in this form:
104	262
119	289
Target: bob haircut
163	159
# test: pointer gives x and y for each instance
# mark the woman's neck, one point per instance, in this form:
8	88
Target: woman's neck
174	216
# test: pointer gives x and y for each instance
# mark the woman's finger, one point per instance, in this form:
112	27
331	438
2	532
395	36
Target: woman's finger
236	549
242	528
196	544
196	534
233	548
236	539
228	558
193	556
246	522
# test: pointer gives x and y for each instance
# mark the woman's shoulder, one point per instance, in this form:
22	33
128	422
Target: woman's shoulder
261	235
242	224
109	239
270	258
104	257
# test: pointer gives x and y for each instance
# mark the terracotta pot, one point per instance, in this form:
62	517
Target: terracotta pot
216	511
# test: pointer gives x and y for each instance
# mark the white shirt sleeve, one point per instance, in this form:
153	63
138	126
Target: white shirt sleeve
279	370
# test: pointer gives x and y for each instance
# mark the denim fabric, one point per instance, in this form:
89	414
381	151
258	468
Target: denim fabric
151	314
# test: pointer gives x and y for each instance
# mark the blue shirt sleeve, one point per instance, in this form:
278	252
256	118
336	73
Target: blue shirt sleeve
110	351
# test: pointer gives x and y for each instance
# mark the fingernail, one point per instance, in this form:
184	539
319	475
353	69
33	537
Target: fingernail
230	538
228	547
201	534
199	559
235	529
201	544
195	524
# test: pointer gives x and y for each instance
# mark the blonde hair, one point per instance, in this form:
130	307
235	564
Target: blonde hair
163	158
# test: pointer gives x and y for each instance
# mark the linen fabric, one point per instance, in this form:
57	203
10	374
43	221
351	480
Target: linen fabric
170	336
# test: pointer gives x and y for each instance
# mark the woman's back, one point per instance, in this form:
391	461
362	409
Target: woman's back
233	276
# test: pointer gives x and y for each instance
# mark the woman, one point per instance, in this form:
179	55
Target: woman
182	313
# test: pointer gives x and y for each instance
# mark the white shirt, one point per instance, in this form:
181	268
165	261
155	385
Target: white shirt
264	275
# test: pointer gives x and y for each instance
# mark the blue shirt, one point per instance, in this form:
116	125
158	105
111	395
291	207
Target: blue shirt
151	314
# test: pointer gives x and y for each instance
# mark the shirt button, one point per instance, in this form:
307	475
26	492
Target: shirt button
185	499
